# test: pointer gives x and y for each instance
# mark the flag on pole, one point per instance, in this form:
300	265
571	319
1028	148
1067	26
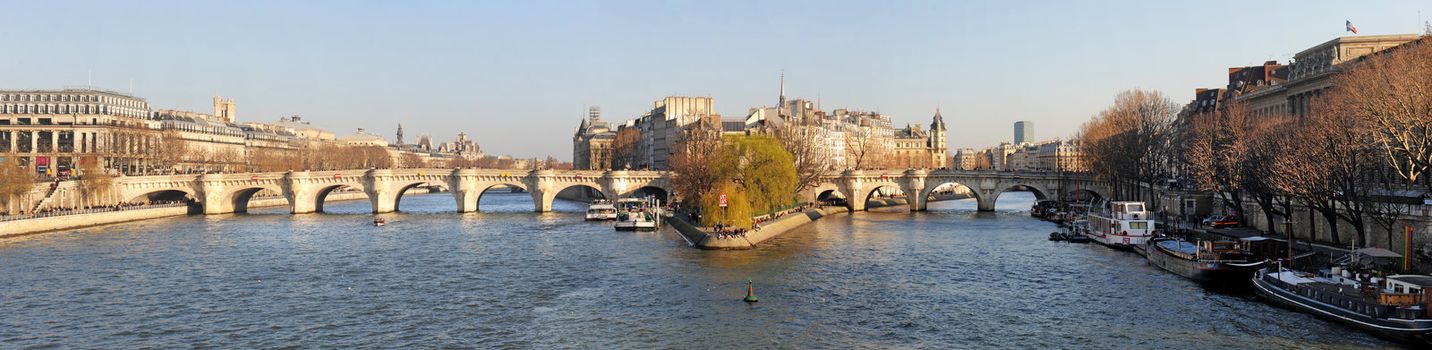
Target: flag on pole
1351	28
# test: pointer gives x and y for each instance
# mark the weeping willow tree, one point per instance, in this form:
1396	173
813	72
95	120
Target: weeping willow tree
763	169
757	176
737	211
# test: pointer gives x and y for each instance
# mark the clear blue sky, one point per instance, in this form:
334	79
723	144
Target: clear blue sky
517	75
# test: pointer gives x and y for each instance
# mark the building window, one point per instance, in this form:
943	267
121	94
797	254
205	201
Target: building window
23	142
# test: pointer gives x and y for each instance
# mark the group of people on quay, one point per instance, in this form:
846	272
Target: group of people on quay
52	212
726	230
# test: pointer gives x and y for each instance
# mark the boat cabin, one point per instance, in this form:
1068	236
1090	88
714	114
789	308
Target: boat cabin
1408	284
1129	211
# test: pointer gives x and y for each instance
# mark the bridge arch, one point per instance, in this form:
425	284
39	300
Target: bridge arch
1039	192
550	196
871	189
1084	194
322	194
652	190
159	194
991	197
485	187
398	196
825	189
931	186
237	200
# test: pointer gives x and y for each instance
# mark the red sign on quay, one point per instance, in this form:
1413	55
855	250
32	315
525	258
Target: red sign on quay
721	200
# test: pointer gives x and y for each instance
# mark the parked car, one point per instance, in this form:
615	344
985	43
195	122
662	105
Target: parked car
1222	221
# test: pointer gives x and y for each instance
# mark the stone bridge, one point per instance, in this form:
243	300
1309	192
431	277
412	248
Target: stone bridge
306	191
856	186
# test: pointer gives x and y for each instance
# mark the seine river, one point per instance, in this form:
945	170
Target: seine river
509	278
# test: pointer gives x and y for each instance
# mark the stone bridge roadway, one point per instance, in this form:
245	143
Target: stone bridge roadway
986	186
305	191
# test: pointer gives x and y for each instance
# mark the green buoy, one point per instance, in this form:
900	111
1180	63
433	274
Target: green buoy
750	292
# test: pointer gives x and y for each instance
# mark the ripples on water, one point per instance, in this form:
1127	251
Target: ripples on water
947	278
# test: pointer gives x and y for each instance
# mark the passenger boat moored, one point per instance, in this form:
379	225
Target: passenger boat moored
1125	225
601	210
635	214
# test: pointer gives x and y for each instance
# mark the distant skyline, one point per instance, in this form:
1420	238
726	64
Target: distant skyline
518	76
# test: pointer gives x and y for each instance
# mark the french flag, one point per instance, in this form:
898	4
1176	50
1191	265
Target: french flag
1351	28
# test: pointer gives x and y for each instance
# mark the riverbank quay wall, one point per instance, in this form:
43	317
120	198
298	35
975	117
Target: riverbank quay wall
702	239
16	228
1307	224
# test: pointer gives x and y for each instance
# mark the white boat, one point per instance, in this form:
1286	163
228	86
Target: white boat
1127	224
635	214
601	210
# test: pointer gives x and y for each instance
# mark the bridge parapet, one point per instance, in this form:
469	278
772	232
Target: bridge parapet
306	190
986	186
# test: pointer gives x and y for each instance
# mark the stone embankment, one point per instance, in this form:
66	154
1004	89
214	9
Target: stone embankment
65	222
700	238
703	239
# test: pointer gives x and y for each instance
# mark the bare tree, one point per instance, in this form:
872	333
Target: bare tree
808	153
1392	91
94	182
1326	171
412	161
1128	143
14	180
624	148
1214	152
1267	142
695	161
863	149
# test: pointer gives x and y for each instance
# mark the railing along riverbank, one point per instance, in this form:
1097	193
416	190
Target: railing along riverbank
48	213
54	220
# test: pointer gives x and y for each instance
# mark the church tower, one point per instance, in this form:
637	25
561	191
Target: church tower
939	155
224	108
781	105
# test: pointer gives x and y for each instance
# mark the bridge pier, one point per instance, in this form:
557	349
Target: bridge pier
539	184
211	195
298	189
850	183
914	189
463	184
378	185
985	204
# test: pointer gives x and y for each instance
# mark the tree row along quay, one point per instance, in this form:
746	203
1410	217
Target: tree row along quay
1357	155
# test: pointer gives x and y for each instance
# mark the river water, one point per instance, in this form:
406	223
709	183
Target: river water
947	278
